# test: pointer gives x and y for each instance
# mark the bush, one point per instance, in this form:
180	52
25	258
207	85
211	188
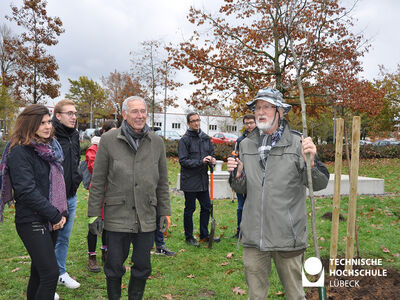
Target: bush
327	152
85	144
222	152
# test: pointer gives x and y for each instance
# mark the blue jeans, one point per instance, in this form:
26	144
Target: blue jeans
62	243
241	199
190	207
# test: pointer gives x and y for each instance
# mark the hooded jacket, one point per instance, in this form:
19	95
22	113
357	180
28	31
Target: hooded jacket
69	141
192	148
275	213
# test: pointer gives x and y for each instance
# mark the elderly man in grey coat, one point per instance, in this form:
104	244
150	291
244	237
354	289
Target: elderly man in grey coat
271	170
129	190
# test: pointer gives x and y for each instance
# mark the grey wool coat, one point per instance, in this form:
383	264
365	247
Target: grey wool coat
133	186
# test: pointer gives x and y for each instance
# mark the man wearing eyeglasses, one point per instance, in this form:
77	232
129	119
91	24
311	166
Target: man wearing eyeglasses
249	122
195	152
64	123
271	170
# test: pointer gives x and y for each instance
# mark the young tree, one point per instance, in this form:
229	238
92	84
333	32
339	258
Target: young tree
156	75
90	99
36	75
119	87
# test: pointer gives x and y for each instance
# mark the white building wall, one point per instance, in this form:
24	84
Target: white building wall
209	124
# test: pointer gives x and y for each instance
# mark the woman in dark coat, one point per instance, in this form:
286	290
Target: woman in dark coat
31	166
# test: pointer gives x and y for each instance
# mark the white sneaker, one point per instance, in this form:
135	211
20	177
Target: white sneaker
69	282
56	297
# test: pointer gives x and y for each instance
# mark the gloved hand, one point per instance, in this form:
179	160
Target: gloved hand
163	223
96	225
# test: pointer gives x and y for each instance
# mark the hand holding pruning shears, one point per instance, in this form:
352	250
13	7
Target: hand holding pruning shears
209	160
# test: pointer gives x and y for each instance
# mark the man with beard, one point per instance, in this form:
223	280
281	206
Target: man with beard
130	180
271	170
64	123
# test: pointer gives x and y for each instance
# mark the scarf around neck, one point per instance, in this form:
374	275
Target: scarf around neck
53	154
134	138
266	142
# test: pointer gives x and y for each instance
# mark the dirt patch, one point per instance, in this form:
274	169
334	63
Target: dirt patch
364	287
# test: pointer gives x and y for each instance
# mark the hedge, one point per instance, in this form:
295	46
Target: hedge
325	152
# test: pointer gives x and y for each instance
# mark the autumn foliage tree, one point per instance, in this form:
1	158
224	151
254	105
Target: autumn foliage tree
246	46
119	87
90	99
36	75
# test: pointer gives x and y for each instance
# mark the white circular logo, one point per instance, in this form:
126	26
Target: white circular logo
313	266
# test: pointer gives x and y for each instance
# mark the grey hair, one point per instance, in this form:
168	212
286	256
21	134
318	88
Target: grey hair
132	98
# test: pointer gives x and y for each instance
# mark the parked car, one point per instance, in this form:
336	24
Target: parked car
224	138
381	143
169	135
89	133
364	142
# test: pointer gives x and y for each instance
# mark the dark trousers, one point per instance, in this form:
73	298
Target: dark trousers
118	244
241	199
92	240
39	242
158	235
190	207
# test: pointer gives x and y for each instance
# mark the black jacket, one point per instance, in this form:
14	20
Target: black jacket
192	148
29	176
69	141
241	138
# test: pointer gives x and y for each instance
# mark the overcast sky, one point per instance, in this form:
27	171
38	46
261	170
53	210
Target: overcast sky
100	34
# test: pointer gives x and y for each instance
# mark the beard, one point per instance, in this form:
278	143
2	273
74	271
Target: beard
265	126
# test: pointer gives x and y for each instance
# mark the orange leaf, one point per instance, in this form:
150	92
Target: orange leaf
229	271
15	270
384	249
224	264
279	293
190	276
168	296
230	255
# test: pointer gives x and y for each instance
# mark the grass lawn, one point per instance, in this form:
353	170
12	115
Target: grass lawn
201	273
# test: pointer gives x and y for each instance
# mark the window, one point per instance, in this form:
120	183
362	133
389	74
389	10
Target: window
158	124
176	125
231	128
212	127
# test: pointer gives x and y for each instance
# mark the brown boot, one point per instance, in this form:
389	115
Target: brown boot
92	264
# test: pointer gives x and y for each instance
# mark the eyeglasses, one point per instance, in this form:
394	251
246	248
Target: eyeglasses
248	123
194	121
265	107
137	111
69	113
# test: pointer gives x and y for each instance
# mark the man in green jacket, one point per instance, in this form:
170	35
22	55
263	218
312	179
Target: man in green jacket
130	180
271	170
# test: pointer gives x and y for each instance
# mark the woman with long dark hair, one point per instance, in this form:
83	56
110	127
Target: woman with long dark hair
32	168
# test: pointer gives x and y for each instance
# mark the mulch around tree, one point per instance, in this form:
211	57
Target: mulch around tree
377	287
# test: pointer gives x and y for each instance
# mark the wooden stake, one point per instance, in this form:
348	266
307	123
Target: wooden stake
355	154
336	191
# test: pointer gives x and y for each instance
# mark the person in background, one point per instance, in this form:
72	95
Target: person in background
272	172
92	238
195	152
161	248
31	167
130	177
64	123
249	122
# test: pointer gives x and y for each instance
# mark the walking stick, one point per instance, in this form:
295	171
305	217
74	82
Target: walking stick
213	222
